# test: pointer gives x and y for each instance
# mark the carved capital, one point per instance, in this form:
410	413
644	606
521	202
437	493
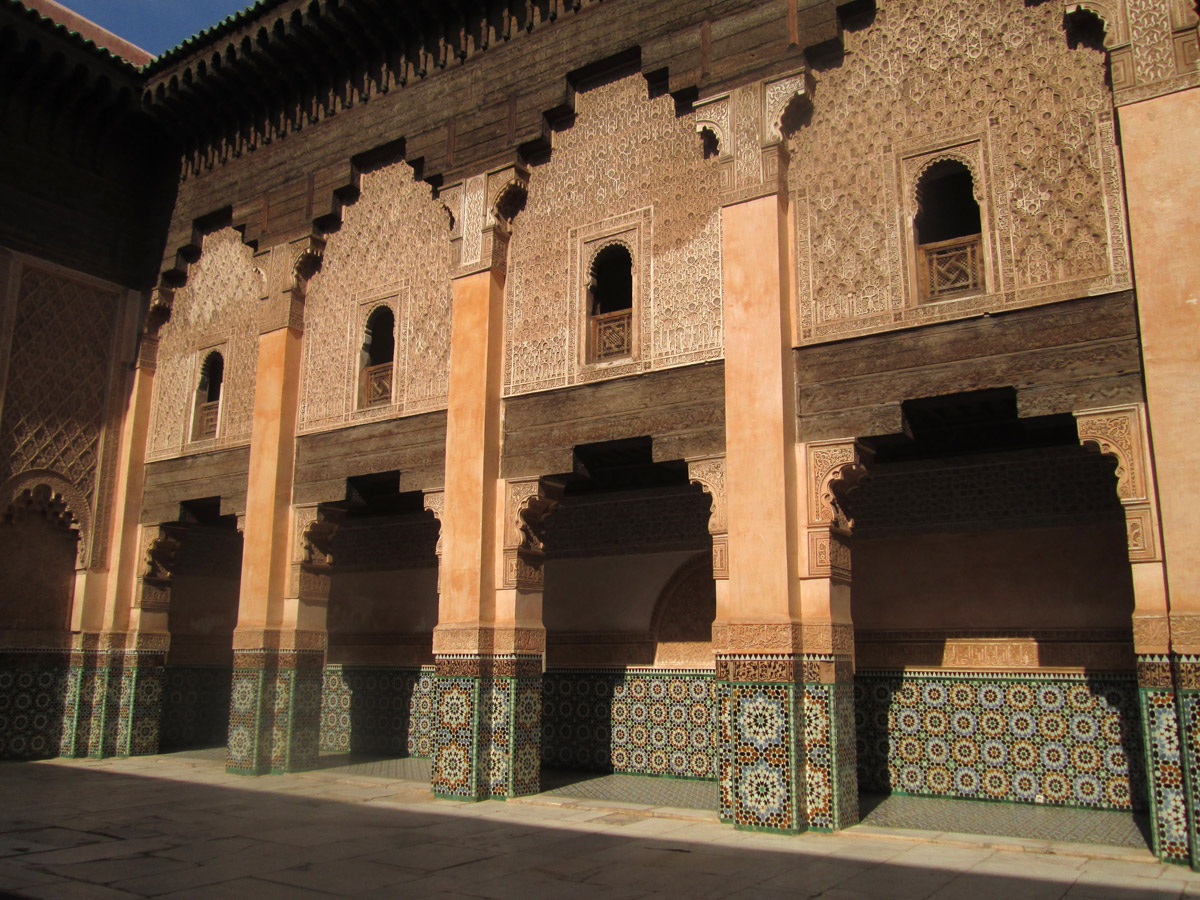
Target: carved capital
482	209
1151	633
286	270
1185	633
749	125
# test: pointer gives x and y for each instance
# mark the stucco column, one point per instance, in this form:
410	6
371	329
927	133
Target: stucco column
119	642
756	636
1162	182
489	641
279	648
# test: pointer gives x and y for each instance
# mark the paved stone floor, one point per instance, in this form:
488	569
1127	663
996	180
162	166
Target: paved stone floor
1082	826
172	826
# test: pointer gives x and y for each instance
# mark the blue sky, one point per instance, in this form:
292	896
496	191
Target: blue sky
156	25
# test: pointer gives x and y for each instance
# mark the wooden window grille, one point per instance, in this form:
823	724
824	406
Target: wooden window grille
378	384
206	420
951	268
611	335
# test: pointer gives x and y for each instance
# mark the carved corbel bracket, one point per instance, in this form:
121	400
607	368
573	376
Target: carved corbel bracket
709	473
435	502
1120	432
317	538
528	503
750	124
833	470
160	545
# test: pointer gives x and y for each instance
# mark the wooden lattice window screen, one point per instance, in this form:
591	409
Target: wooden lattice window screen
612	335
953	267
378	384
206	422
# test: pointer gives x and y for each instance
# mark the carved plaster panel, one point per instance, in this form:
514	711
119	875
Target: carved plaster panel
54	415
1033	119
391	249
218	306
624	154
1120	432
709	473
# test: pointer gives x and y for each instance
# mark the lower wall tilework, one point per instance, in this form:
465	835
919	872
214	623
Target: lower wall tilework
455	771
831	791
33	699
634	721
1070	740
1168	795
195	706
378	710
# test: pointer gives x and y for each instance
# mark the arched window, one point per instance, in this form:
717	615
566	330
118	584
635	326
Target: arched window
378	354
610	304
948	232
206	414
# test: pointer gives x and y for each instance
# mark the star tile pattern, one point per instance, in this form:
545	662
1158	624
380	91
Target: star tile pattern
636	721
378	710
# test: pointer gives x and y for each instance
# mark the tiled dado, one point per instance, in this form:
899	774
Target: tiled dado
786	742
487	726
35	689
195	706
1169	689
631	721
1058	739
274	711
99	703
380	710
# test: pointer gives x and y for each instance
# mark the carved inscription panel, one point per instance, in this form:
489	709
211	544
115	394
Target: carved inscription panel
625	153
1036	116
392	250
216	309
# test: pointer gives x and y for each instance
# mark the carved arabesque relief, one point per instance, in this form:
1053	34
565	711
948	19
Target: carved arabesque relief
624	153
391	248
683	616
219	305
1120	432
832	470
709	473
58	370
50	497
928	75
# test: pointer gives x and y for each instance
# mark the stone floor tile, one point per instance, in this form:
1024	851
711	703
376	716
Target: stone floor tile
342	876
998	887
249	889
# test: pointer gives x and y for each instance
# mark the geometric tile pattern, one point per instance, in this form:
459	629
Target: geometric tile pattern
1055	739
765	758
455	737
1164	762
831	788
195	707
1189	711
487	727
636	721
33	700
274	711
378	710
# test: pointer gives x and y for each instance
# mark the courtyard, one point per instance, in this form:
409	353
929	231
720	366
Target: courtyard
178	825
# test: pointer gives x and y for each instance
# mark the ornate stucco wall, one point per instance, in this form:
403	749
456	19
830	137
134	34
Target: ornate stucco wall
391	250
215	310
628	170
1001	91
